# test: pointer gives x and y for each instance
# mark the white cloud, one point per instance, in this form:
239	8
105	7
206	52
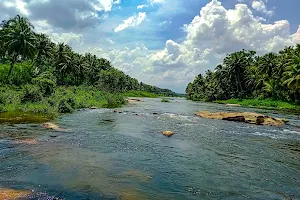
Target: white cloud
19	5
142	6
156	1
260	6
110	41
105	5
66	14
70	38
212	34
151	3
165	23
132	21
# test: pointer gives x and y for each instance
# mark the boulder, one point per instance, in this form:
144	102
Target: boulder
235	119
167	133
233	105
246	117
135	100
52	126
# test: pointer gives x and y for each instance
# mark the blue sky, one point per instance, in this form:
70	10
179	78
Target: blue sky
163	42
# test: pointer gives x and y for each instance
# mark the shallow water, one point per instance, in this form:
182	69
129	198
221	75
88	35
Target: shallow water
107	155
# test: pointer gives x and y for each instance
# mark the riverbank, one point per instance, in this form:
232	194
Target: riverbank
265	104
30	104
140	94
30	99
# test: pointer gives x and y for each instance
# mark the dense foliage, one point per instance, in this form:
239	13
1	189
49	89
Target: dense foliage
32	56
32	64
245	75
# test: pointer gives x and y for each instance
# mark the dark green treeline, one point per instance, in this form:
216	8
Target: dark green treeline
245	75
27	57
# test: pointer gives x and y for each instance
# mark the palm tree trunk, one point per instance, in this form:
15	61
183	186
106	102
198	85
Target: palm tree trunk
12	63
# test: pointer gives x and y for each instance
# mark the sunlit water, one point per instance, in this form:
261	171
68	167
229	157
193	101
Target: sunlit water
107	155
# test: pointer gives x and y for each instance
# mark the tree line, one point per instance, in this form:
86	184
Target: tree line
245	74
50	64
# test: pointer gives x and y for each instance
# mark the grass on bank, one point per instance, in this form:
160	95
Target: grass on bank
30	99
265	103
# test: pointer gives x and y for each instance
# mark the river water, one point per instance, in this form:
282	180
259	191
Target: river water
107	155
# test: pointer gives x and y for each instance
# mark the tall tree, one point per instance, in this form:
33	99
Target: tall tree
291	76
19	40
44	49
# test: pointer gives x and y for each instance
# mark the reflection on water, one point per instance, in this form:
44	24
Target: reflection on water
21	117
12	194
123	156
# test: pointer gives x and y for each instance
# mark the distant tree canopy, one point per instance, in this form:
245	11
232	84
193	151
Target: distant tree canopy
246	75
27	56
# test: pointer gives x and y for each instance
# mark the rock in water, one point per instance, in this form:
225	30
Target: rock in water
233	105
135	100
235	119
52	126
247	117
168	133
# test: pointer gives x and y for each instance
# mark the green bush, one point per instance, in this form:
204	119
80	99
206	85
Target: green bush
71	102
114	100
22	73
165	100
64	107
46	82
31	93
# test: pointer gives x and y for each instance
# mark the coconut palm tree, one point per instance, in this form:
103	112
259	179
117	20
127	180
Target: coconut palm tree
291	77
268	64
270	86
236	64
44	48
19	40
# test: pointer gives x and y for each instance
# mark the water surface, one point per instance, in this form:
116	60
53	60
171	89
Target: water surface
108	155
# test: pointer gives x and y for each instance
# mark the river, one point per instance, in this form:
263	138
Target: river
107	155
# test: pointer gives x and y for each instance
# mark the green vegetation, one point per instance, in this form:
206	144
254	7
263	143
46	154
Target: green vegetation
165	100
37	75
271	80
265	103
62	100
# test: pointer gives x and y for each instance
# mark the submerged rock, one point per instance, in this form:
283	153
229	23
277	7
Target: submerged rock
138	175
25	141
12	194
118	111
247	117
168	133
52	126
